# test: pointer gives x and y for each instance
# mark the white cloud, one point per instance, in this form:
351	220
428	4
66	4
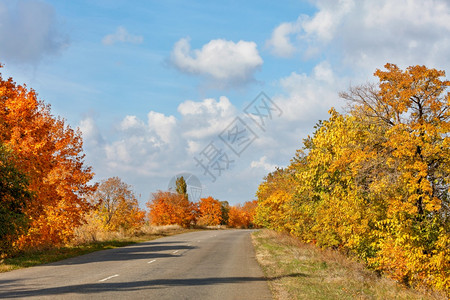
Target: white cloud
141	148
325	23
206	118
364	35
161	145
131	122
262	163
118	152
323	72
163	126
90	131
280	42
194	147
312	31
207	106
29	32
403	32
308	98
122	36
221	61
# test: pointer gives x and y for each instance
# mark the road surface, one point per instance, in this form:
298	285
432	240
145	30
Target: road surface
216	264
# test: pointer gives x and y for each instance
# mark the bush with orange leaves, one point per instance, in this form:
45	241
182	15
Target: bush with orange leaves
242	216
210	212
167	208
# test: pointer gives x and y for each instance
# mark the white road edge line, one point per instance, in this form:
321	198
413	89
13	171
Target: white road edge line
152	261
112	276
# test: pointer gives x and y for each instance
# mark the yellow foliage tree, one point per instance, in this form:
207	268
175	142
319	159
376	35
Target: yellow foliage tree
413	241
375	181
116	206
274	200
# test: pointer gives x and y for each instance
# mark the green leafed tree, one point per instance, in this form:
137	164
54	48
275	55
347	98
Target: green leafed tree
181	187
13	196
225	207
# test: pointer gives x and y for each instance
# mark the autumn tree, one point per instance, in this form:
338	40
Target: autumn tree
375	181
116	206
49	154
249	209
167	208
236	217
274	197
210	212
242	216
414	106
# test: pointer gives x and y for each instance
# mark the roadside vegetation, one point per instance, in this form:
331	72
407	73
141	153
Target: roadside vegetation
296	270
374	181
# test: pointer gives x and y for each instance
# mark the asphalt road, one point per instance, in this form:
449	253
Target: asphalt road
216	264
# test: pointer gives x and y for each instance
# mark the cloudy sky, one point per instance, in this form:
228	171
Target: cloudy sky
224	90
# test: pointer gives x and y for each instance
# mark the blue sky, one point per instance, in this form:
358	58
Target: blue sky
152	83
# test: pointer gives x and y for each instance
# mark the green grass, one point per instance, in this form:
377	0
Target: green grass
300	271
34	258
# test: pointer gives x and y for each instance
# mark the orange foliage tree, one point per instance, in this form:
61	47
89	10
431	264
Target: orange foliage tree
49	153
242	216
235	217
117	206
210	211
167	208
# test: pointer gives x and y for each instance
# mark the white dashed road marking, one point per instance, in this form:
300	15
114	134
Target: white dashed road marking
112	276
